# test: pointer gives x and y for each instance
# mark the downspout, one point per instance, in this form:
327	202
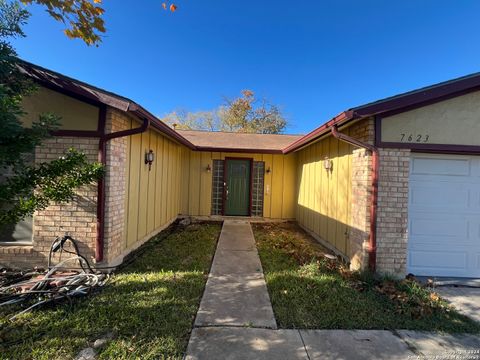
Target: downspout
372	241
102	149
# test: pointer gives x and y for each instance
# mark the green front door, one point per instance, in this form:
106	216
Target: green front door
237	192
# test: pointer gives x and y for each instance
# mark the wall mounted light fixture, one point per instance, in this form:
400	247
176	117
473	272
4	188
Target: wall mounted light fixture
149	157
208	168
328	164
268	170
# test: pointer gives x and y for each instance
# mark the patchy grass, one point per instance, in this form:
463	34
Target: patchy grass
149	307
309	291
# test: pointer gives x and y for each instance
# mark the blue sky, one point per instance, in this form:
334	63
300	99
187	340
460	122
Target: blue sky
314	58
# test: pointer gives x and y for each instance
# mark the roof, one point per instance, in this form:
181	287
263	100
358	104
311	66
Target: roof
95	95
395	104
241	142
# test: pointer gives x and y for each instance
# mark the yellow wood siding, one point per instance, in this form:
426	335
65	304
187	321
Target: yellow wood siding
279	187
153	196
179	183
159	181
185	174
267	186
323	197
194	193
151	188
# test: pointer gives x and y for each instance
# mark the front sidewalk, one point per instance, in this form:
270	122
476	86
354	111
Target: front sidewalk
236	321
236	293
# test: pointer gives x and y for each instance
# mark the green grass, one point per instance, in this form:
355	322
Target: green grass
309	291
150	306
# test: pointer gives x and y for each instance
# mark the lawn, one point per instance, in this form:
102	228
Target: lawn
309	291
149	306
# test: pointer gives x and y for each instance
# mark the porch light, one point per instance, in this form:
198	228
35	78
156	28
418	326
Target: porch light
327	164
268	170
149	157
208	168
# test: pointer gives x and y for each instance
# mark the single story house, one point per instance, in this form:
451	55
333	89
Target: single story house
393	185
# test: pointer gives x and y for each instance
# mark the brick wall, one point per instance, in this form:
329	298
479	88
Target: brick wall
115	185
77	218
392	218
361	195
392	210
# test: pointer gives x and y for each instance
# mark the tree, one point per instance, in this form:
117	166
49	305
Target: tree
83	18
243	114
199	120
29	187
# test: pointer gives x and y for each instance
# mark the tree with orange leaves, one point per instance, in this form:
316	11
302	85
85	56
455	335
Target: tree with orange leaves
83	18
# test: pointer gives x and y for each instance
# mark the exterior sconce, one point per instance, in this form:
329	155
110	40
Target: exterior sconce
328	164
208	168
149	157
268	170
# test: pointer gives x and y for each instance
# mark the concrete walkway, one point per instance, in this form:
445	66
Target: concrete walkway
465	299
234	343
235	319
236	293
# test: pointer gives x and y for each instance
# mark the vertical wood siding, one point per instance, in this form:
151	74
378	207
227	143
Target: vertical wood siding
279	188
324	197
154	198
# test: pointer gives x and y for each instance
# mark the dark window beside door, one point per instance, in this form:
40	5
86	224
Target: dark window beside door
217	187
257	190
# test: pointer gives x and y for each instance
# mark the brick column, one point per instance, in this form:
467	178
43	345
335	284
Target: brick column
115	185
361	203
392	218
361	195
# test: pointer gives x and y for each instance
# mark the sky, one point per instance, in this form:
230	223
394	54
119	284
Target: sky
313	58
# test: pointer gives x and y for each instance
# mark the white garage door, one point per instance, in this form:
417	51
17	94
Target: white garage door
444	215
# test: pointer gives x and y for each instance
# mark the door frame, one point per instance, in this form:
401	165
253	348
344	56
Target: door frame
250	183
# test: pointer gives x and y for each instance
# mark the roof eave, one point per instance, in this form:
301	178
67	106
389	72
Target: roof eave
238	150
340	119
141	112
394	105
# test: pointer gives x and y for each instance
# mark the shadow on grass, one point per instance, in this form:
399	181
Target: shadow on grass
149	307
309	291
327	302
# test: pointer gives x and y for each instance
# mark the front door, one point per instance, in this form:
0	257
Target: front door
237	190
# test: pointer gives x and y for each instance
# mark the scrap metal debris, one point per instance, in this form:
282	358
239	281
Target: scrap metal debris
69	278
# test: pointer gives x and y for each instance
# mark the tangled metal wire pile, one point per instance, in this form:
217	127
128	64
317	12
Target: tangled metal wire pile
69	278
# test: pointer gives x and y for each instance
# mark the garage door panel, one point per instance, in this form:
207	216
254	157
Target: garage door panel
441	227
444	215
439	166
448	196
438	259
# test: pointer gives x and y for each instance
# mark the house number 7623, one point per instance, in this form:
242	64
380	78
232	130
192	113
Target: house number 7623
414	137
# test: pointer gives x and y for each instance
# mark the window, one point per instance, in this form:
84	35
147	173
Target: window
257	190
217	187
22	232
